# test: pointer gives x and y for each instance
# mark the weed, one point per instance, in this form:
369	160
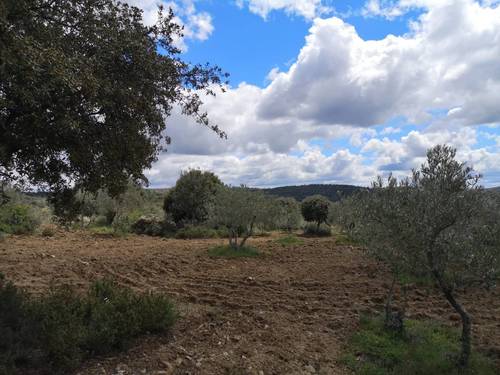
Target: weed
289	241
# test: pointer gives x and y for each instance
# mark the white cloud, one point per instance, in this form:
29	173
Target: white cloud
390	130
308	9
339	87
450	60
197	25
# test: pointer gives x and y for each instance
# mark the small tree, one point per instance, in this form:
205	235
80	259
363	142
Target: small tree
193	193
315	209
436	224
288	214
240	210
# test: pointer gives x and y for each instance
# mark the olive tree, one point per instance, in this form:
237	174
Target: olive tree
240	210
315	209
190	198
438	224
287	214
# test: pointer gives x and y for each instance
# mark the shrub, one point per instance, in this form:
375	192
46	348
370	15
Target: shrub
425	348
189	200
148	225
17	219
314	230
55	332
48	230
230	252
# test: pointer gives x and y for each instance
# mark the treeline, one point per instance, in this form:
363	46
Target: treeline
198	206
333	192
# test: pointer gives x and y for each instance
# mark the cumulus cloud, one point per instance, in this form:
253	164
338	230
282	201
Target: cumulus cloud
442	76
450	60
308	9
197	25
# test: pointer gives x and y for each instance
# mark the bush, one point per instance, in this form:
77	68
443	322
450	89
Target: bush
321	231
193	232
230	252
48	230
56	332
148	225
17	219
424	348
189	200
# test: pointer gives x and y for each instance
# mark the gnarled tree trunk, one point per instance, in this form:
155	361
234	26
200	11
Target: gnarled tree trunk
466	323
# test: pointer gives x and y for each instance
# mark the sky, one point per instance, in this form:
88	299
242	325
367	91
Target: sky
336	91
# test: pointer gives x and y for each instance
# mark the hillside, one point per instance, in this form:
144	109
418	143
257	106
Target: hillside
332	192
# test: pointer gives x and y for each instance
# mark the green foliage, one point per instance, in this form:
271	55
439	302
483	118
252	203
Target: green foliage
230	252
438	224
241	210
315	209
289	241
425	348
149	225
288	216
17	219
189	200
85	90
103	231
56	332
314	230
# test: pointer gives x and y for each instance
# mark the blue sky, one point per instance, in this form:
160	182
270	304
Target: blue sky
338	91
248	46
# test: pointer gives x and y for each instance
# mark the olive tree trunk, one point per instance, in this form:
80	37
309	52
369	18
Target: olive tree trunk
459	309
248	233
466	322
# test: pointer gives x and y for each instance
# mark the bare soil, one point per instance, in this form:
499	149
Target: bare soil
288	311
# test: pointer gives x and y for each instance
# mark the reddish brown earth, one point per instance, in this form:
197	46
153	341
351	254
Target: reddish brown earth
289	311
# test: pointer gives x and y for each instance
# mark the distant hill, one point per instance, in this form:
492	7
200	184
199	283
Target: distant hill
302	191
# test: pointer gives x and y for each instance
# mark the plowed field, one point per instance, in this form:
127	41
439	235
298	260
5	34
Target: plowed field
289	311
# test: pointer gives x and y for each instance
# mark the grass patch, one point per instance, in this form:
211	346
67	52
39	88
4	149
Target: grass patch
56	332
343	239
289	241
226	251
106	231
426	348
194	232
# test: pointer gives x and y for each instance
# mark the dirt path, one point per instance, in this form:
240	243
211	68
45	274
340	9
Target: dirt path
289	311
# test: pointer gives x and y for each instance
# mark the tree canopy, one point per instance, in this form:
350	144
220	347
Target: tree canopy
190	198
437	224
240	210
85	89
315	208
